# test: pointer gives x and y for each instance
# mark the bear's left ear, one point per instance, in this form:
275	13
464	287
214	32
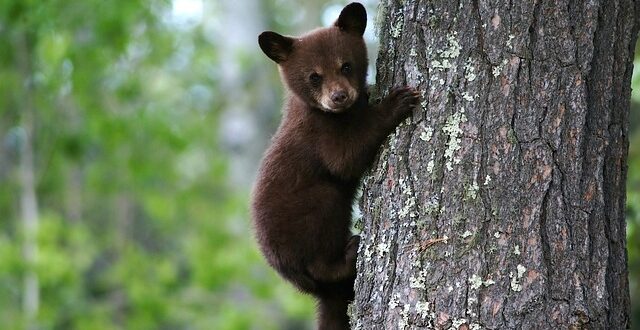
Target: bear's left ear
353	19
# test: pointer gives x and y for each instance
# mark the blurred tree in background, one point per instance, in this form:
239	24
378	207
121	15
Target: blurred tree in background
129	135
633	194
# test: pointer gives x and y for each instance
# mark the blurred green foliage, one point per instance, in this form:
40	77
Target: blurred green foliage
141	225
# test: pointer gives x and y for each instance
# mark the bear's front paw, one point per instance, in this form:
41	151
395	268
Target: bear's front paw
401	101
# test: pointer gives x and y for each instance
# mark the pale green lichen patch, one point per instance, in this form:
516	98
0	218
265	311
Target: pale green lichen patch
393	141
516	250
466	234
444	56
471	301
404	313
469	72
406	189
441	64
426	134
489	282
382	248
487	180
472	190
419	281
430	166
521	269
424	102
475	281
394	301
432	206
511	36
498	68
496	71
515	279
453	129
406	208
396	28
454	48
429	51
368	252
467	96
422	308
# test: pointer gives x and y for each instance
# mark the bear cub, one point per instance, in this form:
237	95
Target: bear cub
329	136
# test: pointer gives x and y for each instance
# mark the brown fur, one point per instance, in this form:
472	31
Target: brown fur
330	134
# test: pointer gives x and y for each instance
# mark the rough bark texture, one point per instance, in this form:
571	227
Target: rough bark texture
501	205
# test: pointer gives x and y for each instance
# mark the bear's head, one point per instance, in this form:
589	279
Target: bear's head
327	67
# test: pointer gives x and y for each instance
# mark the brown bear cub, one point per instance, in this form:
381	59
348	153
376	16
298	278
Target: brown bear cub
330	134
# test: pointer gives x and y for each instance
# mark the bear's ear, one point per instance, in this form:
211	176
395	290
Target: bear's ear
353	19
276	46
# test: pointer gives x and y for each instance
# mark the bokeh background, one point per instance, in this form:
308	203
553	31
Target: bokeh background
137	125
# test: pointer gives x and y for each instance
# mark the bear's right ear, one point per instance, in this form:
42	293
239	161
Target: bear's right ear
353	18
276	46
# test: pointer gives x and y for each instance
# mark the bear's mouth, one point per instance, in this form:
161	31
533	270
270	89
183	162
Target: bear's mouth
336	108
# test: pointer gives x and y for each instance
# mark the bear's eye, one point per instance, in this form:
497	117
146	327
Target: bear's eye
315	79
346	68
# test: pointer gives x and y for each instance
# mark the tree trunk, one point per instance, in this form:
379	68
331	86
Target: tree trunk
502	204
28	198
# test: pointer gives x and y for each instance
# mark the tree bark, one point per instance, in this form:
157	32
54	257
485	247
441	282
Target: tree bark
501	205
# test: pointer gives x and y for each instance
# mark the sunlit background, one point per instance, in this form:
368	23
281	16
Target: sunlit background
130	132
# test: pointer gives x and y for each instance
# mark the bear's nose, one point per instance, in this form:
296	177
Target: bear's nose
339	97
